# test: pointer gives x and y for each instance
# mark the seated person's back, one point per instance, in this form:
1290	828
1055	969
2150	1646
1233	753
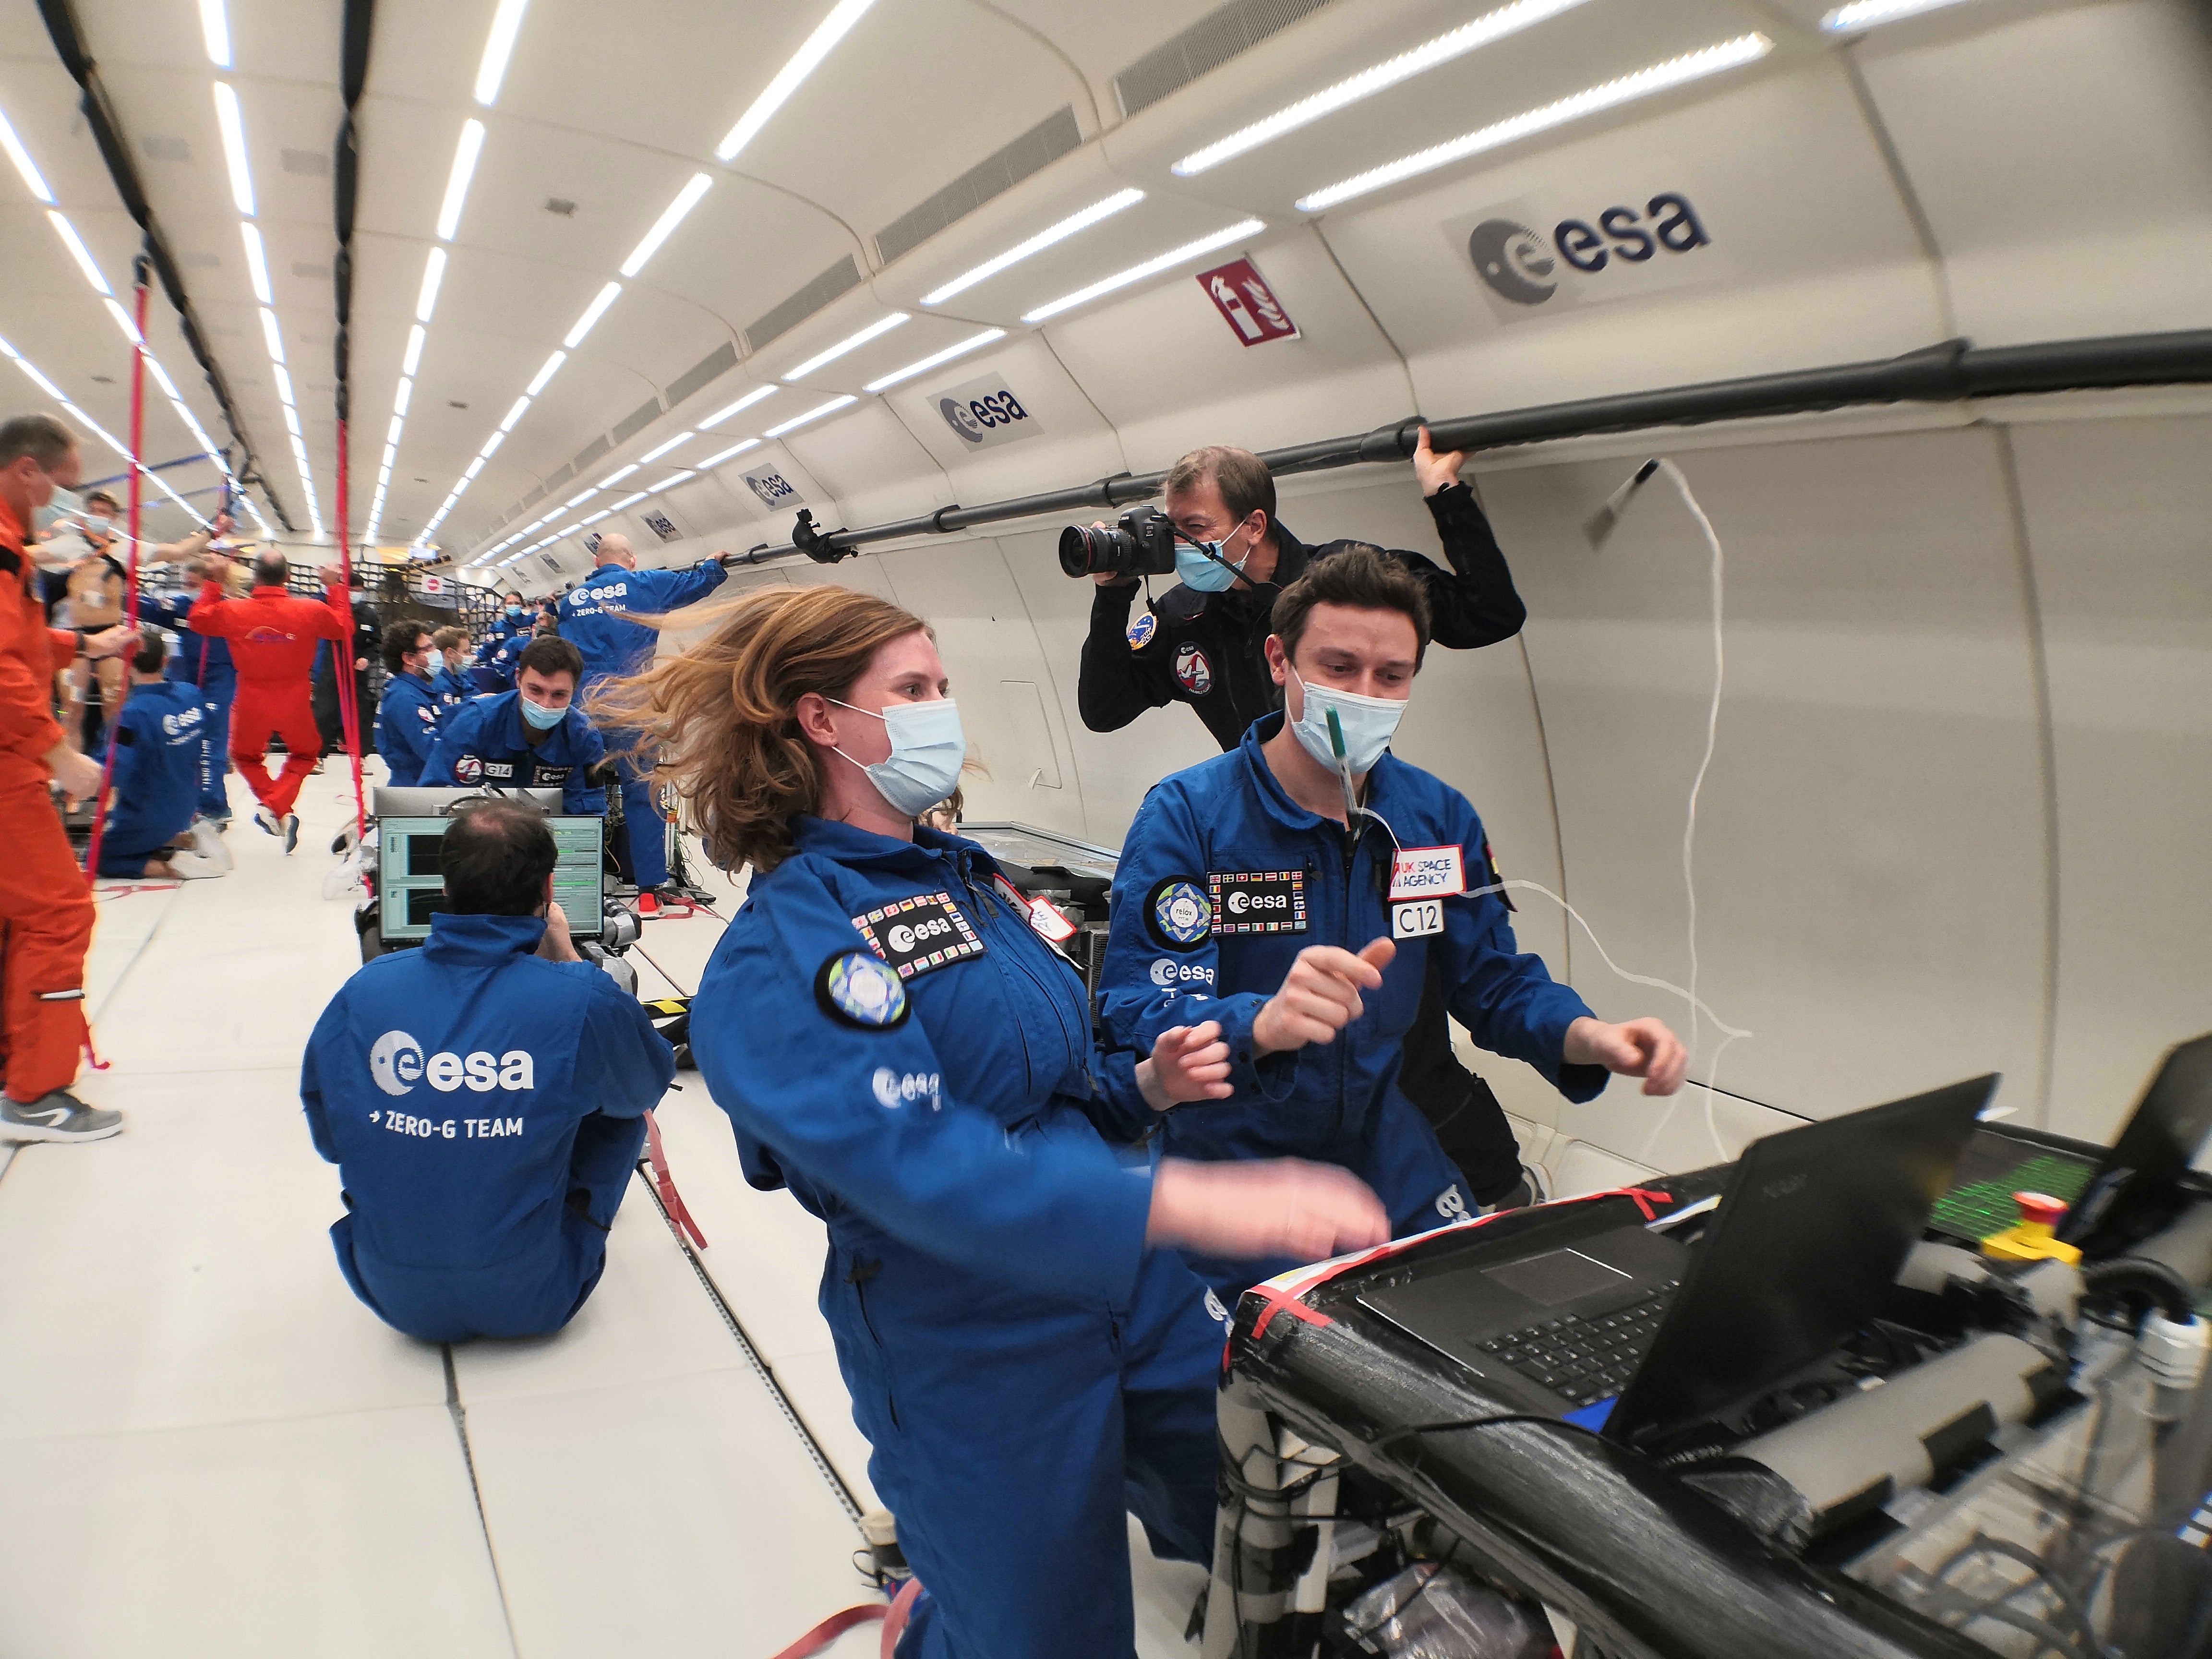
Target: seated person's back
483	1097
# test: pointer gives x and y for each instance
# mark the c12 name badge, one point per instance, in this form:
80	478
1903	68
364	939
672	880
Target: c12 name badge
919	935
1258	901
1416	919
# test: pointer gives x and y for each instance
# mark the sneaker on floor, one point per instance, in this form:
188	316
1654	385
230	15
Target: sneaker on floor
266	820
191	866
291	831
207	842
57	1116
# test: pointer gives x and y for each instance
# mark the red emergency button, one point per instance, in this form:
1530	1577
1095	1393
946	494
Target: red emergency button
2040	1208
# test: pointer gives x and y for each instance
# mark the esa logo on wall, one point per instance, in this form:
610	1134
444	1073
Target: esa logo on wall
773	489
1530	260
985	413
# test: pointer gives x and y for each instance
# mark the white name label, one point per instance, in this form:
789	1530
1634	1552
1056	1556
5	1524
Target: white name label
1427	873
1417	919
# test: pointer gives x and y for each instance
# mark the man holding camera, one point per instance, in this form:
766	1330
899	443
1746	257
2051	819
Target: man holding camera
1203	643
483	1098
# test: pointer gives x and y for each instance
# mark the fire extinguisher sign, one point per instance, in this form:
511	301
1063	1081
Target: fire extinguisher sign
1241	295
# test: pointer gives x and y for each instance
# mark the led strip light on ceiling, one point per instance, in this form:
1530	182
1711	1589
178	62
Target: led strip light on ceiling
1872	14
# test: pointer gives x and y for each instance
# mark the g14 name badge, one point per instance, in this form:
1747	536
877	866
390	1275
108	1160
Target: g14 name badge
919	935
1427	873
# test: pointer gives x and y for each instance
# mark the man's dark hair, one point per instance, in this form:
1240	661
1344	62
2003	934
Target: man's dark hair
153	651
94	497
512	593
271	570
495	857
1246	485
549	653
1359	575
401	640
42	437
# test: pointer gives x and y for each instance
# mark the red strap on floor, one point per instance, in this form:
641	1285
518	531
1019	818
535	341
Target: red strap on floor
671	1199
894	1617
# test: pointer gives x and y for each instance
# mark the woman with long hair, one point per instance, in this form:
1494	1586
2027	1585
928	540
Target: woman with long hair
894	1044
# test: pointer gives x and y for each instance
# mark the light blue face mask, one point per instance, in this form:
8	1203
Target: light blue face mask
927	749
1368	724
66	504
540	717
437	660
1205	566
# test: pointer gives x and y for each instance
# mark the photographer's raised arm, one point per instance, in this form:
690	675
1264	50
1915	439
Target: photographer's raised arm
1475	603
1119	678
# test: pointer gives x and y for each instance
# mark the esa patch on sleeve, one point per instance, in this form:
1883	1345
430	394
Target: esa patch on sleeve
856	988
1258	901
1142	630
919	935
1179	914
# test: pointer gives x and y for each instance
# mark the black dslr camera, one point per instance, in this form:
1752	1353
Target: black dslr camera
1143	546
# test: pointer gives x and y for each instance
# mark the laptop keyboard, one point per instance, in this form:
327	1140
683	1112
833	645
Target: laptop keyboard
1588	1358
1981	1208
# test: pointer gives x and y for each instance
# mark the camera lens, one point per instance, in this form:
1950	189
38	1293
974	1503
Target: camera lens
1084	551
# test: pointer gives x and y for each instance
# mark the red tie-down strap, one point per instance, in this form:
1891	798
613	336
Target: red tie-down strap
894	1617
1290	1298
671	1199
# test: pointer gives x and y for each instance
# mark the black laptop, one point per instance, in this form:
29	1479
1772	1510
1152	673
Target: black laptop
2118	1199
1632	1332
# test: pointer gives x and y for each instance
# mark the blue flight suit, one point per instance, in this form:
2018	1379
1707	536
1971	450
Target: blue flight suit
1023	1367
203	661
450	687
486	742
484	1108
493	667
157	775
1223	879
595	619
406	726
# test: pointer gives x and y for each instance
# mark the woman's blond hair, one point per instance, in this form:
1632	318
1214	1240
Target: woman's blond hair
720	712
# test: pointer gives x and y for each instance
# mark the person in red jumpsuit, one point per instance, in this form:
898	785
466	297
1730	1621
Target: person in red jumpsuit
272	637
45	912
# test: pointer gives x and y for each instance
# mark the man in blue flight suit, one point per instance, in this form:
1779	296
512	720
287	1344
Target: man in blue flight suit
492	667
531	737
204	663
1294	890
157	780
596	616
407	716
484	1099
449	663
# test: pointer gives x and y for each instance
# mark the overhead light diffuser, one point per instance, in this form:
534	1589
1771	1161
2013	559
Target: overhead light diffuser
734	449
499	46
546	371
1871	14
1036	244
433	272
491	445
257	264
214	27
291	420
514	414
1660	77
972	343
756	395
630	501
603	513
271	336
283	378
593	312
24	165
80	252
399	398
671	483
161	379
682	437
457	182
804	61
1167	261
227	117
686	199
122	321
852	343
615	477
813	414
578	499
413	360
1468	37
474	467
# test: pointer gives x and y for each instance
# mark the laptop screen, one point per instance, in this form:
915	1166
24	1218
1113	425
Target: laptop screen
2132	1192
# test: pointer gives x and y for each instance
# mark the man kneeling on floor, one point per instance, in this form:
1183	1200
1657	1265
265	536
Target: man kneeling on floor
483	1097
159	738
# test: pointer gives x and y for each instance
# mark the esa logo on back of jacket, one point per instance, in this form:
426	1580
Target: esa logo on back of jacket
397	1064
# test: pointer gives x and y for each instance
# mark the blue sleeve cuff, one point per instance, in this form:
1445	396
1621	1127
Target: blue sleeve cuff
1267	1076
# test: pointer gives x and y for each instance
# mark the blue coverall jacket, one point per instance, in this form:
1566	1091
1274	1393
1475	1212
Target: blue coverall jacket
1223	879
484	742
201	660
450	687
484	1108
894	1043
157	774
406	726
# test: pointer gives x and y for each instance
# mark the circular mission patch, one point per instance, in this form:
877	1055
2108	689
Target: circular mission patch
861	990
1179	913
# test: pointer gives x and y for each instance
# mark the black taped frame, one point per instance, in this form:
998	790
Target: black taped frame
359	29
63	28
1949	372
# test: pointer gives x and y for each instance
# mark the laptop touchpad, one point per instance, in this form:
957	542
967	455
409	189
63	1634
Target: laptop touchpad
1561	1276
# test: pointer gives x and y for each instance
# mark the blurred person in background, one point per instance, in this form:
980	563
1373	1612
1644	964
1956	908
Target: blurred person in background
154	781
204	664
407	713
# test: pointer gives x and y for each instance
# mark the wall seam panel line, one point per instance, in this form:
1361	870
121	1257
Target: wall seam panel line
1121	448
1405	368
1052	678
1551	795
460	1416
1924	227
2046	759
